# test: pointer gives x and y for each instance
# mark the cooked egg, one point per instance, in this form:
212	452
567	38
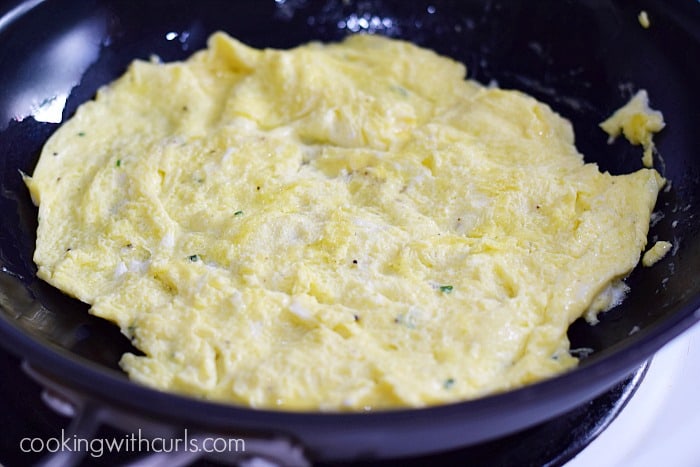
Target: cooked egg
637	122
656	253
341	226
643	19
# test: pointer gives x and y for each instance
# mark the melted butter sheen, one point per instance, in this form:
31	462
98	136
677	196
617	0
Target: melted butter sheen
338	227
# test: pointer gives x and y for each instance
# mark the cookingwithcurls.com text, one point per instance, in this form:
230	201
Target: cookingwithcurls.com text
132	443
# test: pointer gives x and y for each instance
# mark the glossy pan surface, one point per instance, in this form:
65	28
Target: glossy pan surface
585	58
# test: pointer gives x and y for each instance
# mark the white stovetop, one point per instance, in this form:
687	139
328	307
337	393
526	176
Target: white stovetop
660	426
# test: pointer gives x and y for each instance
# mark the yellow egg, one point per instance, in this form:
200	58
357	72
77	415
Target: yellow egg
656	253
342	226
638	122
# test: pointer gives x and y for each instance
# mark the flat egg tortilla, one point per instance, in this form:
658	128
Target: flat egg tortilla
342	226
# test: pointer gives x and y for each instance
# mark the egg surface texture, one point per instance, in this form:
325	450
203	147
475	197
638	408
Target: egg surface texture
341	226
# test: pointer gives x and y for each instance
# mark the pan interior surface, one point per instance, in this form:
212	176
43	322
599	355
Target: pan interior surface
585	59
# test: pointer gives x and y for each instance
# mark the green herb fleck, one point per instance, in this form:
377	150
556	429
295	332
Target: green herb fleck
194	258
81	133
446	288
119	162
400	90
449	382
238	213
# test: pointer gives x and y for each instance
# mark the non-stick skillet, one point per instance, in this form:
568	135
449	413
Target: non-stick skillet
585	58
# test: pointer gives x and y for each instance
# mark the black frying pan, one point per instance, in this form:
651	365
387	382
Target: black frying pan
585	58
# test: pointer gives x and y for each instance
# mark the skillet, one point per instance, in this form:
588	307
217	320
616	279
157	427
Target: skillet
585	58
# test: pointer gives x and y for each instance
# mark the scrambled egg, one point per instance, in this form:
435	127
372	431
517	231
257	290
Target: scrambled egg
343	226
638	122
654	254
643	19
